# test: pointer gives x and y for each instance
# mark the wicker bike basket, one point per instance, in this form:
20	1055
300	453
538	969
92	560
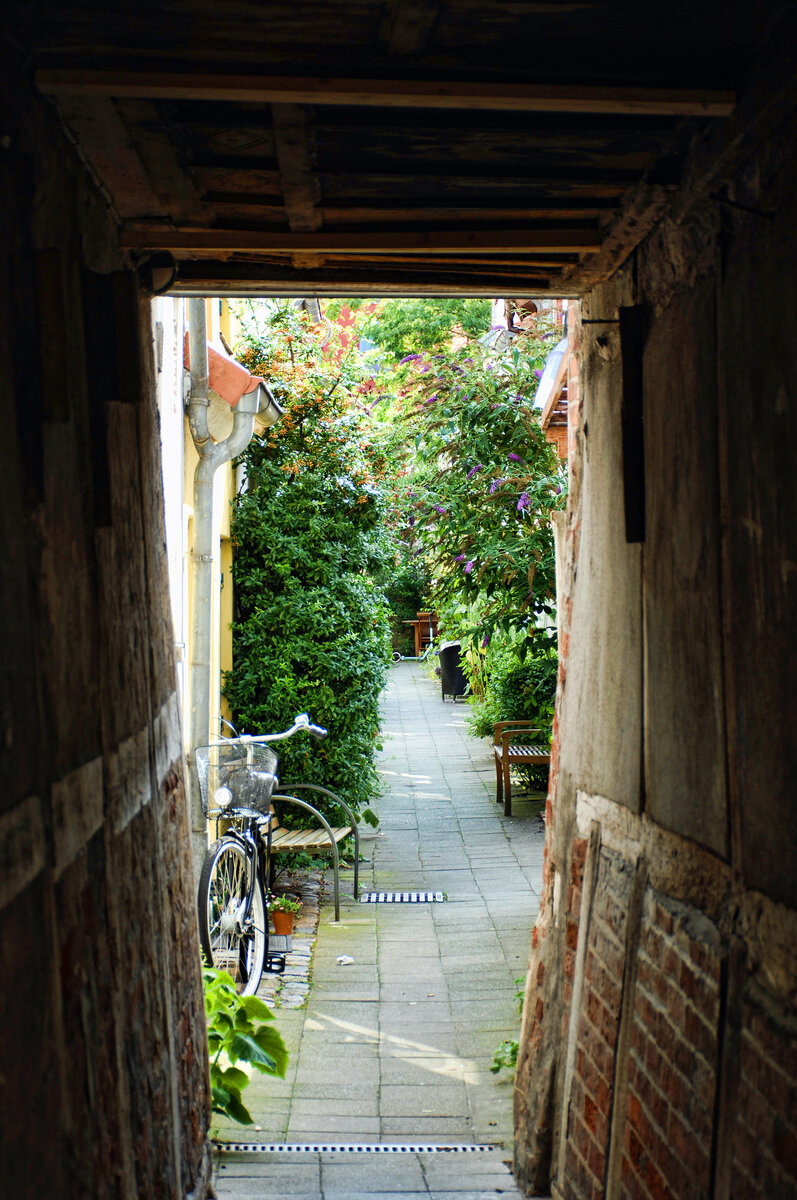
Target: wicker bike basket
236	780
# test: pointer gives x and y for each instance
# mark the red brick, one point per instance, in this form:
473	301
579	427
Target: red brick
696	988
632	1184
655	1183
596	1120
589	1074
654	1101
580	1136
636	1151
608	949
662	987
773	1044
705	959
767	1078
571	934
700	1035
784	1150
574	901
746	1148
637	1118
597	1162
682	1056
653	944
664	919
759	1117
671	963
683	1142
674	1087
603	1096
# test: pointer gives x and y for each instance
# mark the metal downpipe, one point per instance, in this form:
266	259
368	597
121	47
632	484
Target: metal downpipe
211	457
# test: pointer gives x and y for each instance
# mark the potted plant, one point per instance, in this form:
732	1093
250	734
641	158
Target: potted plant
283	911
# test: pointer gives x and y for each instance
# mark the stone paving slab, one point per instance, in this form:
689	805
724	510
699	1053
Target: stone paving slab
395	1048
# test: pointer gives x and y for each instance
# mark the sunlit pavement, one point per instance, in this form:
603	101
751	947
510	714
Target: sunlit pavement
395	1047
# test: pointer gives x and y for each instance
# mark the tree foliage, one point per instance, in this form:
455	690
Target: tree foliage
401	327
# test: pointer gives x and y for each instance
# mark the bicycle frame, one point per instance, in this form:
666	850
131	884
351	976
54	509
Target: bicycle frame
251	845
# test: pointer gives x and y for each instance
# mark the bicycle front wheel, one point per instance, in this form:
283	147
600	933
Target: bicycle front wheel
230	940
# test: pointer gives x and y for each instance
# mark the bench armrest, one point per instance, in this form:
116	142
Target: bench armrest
504	731
314	787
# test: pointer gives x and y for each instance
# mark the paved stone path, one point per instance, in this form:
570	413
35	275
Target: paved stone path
396	1046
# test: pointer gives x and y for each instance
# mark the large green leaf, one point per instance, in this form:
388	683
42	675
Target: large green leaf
257	1009
243	1047
270	1042
231	1078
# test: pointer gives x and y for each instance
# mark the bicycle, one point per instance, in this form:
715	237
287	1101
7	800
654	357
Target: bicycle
236	781
427	653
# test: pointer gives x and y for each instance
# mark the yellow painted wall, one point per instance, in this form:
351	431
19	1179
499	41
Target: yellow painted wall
224	488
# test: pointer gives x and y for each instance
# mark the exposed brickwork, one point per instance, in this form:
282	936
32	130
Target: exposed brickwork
764	1142
591	1090
673	1056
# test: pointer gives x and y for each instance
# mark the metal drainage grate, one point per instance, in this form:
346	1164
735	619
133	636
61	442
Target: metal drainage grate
402	897
353	1148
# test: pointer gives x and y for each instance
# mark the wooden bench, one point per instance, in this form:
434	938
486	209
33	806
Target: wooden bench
515	743
304	841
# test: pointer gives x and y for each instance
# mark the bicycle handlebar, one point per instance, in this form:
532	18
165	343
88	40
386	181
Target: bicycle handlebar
301	724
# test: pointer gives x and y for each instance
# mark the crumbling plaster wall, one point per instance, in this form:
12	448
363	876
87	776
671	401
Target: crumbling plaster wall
102	1062
658	1045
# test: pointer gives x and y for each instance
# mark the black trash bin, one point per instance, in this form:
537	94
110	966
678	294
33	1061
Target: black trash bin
452	677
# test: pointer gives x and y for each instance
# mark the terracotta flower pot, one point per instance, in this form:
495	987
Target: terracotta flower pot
282	921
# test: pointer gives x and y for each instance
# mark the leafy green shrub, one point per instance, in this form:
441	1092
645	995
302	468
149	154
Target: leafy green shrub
506	1052
517	688
236	1033
311	628
505	1055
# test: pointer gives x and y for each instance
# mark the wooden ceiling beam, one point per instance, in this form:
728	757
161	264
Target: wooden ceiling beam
269	208
231	279
380	93
449	262
642	209
407	26
241	241
170	181
300	187
114	158
407	216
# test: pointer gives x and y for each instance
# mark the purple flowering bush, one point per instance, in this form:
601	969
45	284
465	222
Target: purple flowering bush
487	482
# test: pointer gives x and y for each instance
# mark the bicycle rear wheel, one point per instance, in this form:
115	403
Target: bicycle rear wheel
229	941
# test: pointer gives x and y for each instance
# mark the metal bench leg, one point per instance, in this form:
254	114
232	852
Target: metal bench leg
316	787
332	842
499	786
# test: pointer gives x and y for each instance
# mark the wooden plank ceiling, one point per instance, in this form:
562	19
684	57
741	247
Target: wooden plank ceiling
375	148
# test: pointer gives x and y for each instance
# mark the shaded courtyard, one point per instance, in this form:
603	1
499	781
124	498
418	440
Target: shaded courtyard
396	1046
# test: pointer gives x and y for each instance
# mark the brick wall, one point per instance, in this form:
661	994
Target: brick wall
591	1088
103	1052
764	1139
673	1056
